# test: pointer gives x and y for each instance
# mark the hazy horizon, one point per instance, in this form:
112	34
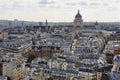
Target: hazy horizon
60	10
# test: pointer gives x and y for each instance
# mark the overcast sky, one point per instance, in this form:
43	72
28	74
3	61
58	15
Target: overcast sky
60	10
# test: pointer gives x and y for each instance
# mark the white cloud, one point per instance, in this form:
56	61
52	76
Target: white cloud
59	9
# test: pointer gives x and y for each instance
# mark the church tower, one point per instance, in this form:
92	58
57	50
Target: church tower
46	26
97	25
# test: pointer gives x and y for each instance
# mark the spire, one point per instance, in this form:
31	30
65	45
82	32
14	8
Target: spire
78	11
46	25
78	15
46	22
96	23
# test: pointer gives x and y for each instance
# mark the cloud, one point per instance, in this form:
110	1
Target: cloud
83	3
58	7
45	2
71	4
89	4
95	4
48	4
113	9
105	4
77	3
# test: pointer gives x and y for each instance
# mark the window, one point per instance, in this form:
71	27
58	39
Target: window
119	68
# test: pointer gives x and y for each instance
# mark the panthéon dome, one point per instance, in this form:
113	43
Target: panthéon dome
78	15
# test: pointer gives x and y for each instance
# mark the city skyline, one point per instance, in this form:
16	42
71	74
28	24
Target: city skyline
60	10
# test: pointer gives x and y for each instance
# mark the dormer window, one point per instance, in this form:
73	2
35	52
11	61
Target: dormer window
119	69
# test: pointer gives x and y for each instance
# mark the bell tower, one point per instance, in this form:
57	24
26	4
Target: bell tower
46	25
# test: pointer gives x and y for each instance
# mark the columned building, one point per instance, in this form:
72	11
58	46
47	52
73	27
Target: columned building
78	22
78	25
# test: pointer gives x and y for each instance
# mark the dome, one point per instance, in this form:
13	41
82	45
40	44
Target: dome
96	23
78	15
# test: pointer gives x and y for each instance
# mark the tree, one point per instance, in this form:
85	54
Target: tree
31	57
46	57
109	59
1	72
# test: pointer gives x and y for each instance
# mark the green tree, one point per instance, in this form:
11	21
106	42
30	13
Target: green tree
1	72
31	57
109	59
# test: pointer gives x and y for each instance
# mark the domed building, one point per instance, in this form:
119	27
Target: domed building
78	25
78	22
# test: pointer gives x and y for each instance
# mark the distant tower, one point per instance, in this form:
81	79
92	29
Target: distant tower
78	22
10	24
22	23
96	25
40	23
46	26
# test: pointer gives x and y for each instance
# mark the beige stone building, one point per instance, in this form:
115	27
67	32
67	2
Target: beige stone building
78	21
4	34
14	72
78	24
19	72
8	69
